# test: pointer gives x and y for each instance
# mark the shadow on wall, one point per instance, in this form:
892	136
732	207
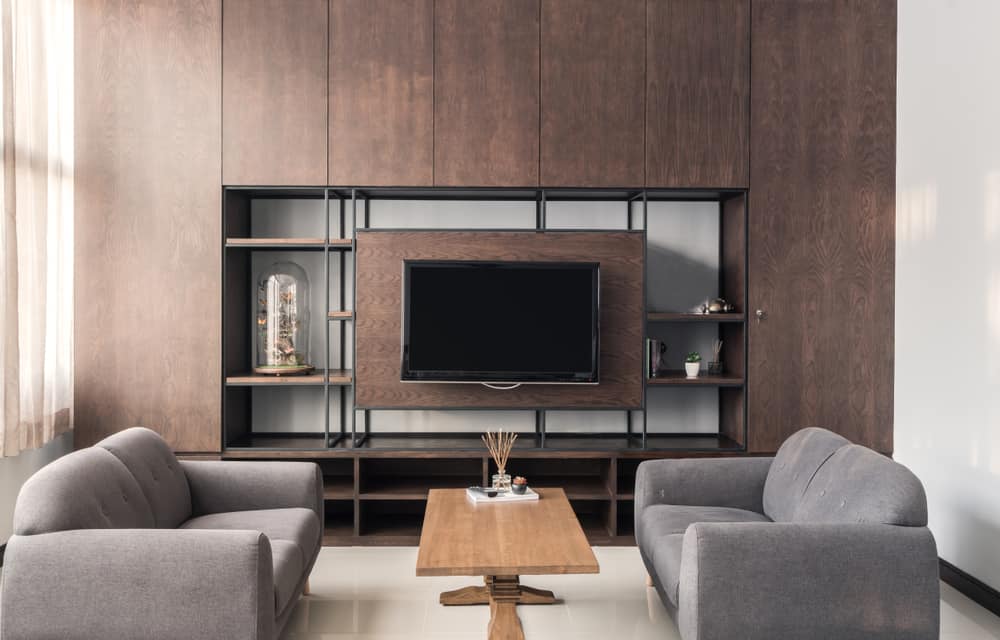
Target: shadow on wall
687	282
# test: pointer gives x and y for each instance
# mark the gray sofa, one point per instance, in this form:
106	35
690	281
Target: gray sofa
122	540
825	540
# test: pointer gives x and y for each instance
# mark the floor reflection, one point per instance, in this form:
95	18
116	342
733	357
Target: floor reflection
372	593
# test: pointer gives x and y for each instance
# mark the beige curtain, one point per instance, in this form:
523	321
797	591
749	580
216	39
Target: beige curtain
36	237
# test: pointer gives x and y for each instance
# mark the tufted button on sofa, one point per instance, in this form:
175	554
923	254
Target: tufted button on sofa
827	539
123	540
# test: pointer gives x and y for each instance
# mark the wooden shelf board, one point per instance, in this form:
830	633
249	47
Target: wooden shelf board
338	529
317	378
412	487
277	443
709	442
338	487
594	528
340	315
397	526
439	446
669	316
276	242
680	379
318	243
577	487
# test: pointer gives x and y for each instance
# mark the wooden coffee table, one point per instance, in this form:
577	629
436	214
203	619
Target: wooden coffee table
501	542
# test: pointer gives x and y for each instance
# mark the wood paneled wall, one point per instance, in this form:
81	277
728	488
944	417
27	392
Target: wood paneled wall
593	93
697	93
380	256
147	233
381	92
822	220
274	91
486	93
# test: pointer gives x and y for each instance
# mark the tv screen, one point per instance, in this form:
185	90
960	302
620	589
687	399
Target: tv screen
500	322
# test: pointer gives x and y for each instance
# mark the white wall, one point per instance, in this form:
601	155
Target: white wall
14	471
947	422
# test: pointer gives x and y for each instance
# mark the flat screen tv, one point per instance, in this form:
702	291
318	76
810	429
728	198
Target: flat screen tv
502	323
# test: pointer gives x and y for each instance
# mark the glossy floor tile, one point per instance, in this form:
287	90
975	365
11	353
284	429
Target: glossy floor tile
372	593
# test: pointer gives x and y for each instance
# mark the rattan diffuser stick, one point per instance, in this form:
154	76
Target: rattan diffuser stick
499	445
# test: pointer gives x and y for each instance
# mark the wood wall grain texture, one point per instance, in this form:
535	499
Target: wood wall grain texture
381	92
380	255
822	220
147	229
486	93
697	93
592	93
274	92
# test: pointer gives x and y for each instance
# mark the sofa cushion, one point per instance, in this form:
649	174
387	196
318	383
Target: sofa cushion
154	466
668	565
663	519
294	538
661	530
288	567
859	485
87	489
794	466
298	526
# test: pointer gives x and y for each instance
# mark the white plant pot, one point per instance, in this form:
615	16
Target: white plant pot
692	369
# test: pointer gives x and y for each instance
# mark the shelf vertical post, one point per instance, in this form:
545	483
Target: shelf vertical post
326	319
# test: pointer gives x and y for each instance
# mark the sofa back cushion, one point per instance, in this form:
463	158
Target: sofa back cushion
87	489
794	466
160	476
858	485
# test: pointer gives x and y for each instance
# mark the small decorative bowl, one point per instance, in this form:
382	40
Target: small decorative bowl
519	489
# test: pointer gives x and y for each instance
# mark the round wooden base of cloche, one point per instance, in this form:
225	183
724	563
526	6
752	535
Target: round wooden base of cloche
285	370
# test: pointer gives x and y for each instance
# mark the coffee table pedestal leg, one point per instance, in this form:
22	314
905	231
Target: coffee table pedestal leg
503	594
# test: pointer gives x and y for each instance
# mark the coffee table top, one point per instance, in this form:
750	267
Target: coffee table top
460	538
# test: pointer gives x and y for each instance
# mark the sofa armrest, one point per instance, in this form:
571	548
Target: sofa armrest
219	486
836	581
708	482
137	583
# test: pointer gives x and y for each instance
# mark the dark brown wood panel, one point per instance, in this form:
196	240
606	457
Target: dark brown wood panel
733	254
697	93
381	92
274	92
822	209
486	93
379	258
592	93
147	231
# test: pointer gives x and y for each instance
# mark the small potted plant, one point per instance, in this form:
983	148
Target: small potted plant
692	364
519	485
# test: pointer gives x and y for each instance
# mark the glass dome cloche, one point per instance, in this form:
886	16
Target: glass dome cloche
282	320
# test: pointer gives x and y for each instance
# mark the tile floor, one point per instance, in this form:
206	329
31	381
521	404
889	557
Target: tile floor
372	594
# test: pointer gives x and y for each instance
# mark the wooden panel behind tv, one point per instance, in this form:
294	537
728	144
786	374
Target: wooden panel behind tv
380	255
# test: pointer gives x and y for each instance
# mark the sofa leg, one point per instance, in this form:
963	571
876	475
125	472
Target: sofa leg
649	580
305	589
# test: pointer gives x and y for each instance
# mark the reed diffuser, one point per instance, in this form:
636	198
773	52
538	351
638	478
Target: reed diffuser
715	366
499	445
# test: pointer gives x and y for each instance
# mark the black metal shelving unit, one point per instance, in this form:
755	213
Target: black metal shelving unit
376	482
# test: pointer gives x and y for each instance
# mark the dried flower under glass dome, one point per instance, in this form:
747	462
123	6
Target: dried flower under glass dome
282	320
